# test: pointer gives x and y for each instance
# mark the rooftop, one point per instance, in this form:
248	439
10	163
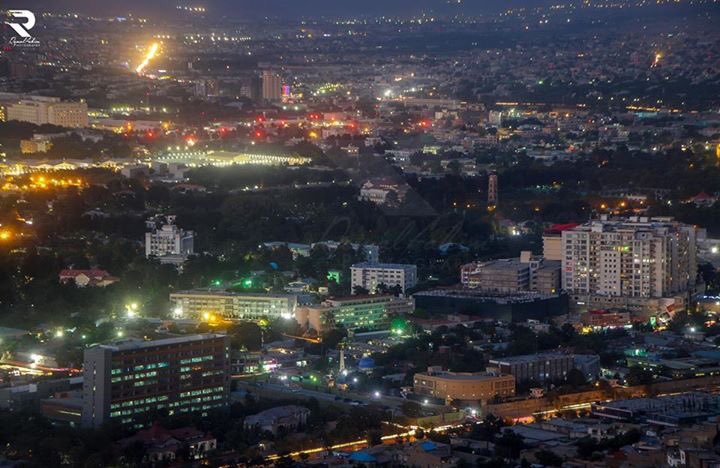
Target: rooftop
222	292
530	358
395	266
139	344
463	375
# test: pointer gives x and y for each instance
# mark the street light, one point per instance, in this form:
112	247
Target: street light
131	310
376	394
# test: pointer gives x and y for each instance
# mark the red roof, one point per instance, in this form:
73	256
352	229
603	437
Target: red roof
92	273
703	196
558	228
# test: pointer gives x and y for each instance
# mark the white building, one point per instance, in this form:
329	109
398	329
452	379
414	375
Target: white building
369	275
213	304
607	261
47	110
169	243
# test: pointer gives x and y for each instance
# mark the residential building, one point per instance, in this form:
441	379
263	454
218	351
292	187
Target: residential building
638	258
535	367
213	304
271	86
164	445
608	318
552	241
83	278
369	275
357	312
124	381
169	243
462	385
276	420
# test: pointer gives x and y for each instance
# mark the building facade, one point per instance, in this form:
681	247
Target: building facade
47	110
208	304
125	381
535	367
369	275
169	243
526	273
358	312
463	386
637	258
271	86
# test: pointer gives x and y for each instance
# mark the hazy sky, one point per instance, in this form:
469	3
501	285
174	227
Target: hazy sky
281	8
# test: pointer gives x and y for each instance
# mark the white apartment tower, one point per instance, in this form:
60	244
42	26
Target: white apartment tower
636	257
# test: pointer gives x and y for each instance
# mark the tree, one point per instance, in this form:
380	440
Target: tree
374	438
332	338
246	335
411	409
548	458
576	378
509	445
639	376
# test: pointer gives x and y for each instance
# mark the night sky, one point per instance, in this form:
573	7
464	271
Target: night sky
278	8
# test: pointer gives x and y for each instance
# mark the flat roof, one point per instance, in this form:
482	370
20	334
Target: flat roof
141	344
530	358
395	266
224	293
463	375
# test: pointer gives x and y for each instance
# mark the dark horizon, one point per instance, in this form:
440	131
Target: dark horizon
286	9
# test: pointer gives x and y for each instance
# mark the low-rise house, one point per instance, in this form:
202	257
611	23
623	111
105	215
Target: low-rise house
164	445
82	278
280	419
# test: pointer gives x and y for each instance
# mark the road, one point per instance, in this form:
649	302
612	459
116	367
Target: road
286	392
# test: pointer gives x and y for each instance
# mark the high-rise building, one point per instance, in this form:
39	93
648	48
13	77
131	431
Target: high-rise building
552	241
271	86
492	190
213	304
250	87
125	381
169	243
368	275
607	261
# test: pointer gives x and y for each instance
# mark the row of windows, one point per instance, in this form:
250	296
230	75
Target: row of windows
202	391
140	401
